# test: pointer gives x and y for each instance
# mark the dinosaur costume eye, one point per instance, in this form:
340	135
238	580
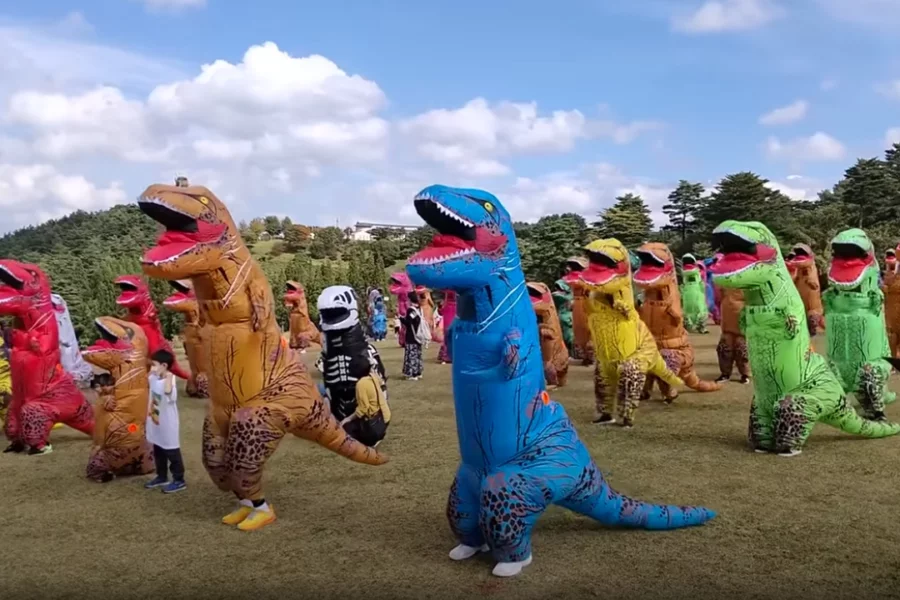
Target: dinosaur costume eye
203	200
488	207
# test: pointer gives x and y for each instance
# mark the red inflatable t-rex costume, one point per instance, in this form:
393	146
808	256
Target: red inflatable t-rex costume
43	393
135	298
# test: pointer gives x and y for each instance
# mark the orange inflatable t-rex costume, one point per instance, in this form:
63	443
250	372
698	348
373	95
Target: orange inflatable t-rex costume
303	332
120	413
259	389
426	305
891	289
553	348
732	348
662	312
185	302
806	278
582	348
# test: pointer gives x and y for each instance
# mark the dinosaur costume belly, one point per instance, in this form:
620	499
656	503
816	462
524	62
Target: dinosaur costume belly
519	451
43	393
855	322
120	444
793	387
259	389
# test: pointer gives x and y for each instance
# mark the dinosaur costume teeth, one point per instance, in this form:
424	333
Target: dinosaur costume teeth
856	328
120	444
801	263
192	334
520	453
661	312
43	393
553	349
259	389
624	348
793	387
303	331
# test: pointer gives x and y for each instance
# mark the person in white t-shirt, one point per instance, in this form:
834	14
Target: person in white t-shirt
162	425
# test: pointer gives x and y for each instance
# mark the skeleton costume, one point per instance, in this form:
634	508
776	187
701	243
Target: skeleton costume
342	339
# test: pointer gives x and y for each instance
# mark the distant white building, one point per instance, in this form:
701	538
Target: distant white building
362	232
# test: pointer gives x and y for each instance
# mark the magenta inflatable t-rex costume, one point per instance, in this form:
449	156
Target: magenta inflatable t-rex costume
43	393
135	298
448	313
400	286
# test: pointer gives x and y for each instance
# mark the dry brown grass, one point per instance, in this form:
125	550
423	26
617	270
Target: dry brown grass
822	525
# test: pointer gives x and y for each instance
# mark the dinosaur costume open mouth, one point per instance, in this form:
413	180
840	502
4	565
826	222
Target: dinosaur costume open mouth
602	268
575	269
802	255
8	278
689	263
182	294
184	232
457	237
849	263
535	294
108	340
129	292
652	268
739	253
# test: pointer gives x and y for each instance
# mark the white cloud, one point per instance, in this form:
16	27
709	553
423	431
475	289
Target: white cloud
819	147
786	115
172	5
892	136
717	16
798	187
37	192
473	138
75	23
890	89
828	84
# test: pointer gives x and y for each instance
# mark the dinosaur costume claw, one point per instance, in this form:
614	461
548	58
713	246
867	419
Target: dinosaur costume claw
793	387
520	453
259	389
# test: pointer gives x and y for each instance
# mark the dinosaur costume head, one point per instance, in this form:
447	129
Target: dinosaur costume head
23	287
541	298
801	255
399	284
574	265
474	242
853	262
120	345
890	259
293	292
199	235
183	300
749	255
133	291
691	271
657	266
609	266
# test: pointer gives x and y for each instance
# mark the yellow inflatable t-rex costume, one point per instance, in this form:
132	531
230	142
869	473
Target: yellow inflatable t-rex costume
624	348
259	389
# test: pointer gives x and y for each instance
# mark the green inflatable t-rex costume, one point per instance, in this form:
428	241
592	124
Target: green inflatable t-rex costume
793	387
854	322
562	297
693	295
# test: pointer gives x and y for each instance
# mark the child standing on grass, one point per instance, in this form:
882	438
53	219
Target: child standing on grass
162	425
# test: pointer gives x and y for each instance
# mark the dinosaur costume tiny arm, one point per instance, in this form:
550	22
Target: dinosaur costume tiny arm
624	348
519	450
793	387
855	321
43	393
661	312
259	389
120	443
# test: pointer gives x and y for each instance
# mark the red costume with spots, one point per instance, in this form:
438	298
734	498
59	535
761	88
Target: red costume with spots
43	393
135	298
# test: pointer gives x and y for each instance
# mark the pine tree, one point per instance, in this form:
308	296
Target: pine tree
682	207
628	220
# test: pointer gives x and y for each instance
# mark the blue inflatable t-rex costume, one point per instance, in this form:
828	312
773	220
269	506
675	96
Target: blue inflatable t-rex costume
519	450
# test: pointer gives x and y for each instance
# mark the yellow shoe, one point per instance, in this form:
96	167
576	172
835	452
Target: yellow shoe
257	520
236	516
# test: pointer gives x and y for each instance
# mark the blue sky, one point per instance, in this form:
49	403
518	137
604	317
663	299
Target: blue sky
568	103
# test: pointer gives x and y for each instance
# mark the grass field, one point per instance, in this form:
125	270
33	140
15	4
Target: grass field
821	525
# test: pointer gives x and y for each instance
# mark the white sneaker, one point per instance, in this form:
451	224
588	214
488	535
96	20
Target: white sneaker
462	552
790	453
511	569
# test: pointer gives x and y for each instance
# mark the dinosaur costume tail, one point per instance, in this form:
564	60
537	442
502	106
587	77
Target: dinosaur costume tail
614	509
328	433
848	420
693	381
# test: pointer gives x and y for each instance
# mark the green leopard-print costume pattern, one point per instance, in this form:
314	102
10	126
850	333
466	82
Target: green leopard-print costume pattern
854	322
793	387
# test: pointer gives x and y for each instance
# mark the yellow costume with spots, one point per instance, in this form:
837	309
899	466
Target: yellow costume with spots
624	347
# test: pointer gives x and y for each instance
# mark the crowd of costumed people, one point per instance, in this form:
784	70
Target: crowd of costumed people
625	313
